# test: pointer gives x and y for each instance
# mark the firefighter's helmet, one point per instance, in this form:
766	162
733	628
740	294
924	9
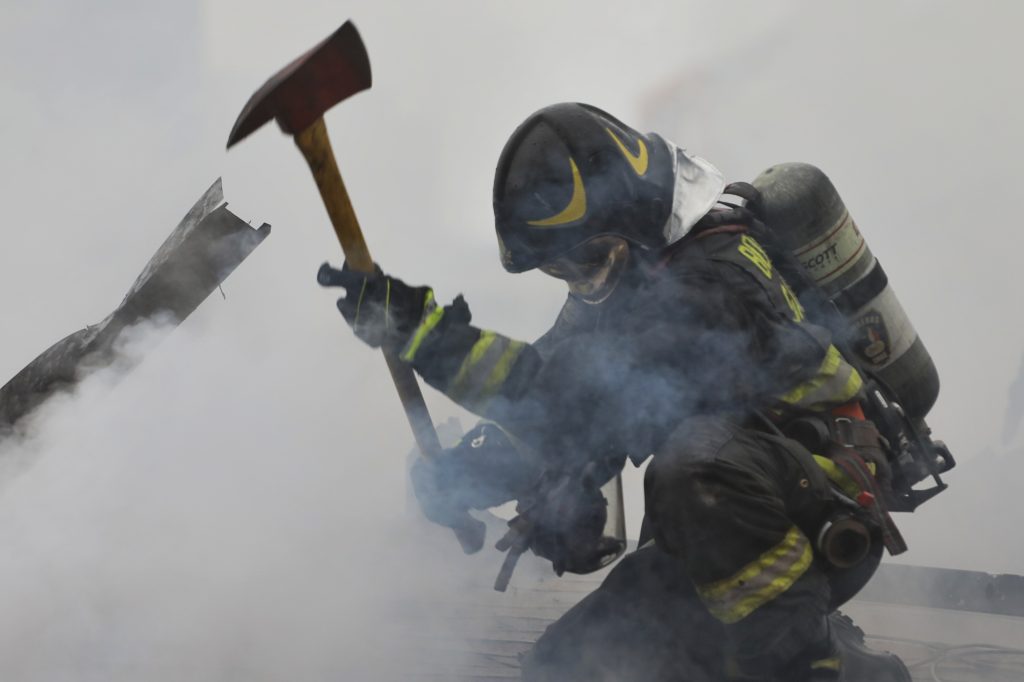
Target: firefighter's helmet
572	172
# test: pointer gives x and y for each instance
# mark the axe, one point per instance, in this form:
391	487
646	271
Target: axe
297	96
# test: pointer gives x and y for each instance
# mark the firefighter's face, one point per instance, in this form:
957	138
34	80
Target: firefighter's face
592	269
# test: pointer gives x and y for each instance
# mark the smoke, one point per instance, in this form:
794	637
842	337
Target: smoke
190	533
1014	407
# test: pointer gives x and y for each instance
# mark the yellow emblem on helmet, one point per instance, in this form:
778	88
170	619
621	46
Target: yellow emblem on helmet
638	161
577	207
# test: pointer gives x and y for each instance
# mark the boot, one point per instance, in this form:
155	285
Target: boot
850	660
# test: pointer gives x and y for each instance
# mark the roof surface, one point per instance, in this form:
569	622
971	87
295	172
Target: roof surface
948	626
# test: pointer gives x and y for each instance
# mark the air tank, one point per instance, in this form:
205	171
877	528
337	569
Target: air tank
805	211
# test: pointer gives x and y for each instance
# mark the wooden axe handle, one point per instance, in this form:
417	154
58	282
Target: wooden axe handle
316	147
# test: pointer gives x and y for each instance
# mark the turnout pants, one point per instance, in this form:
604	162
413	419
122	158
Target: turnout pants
643	624
739	509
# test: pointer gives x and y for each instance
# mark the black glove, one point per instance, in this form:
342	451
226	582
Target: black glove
566	524
382	310
484	470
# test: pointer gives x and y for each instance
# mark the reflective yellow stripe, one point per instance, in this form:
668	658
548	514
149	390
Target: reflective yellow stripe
425	327
826	664
501	370
484	370
459	384
734	598
829	366
835	383
838	476
852	387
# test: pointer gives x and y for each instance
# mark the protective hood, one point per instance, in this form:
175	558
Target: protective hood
698	186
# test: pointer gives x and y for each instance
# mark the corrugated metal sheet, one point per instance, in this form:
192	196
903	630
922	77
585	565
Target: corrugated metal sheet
201	251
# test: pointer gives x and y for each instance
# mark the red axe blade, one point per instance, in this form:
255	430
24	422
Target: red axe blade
303	91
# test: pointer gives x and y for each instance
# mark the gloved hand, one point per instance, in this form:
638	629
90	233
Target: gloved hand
382	310
566	522
484	470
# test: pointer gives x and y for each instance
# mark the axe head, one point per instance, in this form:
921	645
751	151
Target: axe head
303	91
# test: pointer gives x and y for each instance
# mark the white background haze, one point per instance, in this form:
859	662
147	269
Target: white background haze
236	503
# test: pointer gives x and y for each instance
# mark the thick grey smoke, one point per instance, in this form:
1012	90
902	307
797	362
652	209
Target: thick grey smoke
207	535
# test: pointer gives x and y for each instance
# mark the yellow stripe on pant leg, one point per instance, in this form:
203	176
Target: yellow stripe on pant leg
734	598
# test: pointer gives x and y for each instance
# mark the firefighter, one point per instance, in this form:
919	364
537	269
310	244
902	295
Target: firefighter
680	338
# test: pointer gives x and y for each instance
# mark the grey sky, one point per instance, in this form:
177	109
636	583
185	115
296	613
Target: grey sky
264	405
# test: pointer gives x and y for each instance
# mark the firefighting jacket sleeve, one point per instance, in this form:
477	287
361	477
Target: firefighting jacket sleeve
699	334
